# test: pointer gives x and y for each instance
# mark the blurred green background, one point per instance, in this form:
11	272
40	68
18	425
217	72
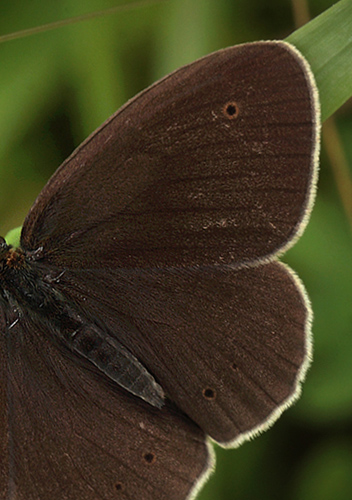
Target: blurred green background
57	87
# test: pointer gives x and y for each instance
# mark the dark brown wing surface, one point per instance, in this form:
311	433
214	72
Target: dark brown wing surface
228	347
72	435
213	164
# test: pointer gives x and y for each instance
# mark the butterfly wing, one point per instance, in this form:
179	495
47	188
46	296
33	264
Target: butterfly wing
213	164
66	433
208	166
229	347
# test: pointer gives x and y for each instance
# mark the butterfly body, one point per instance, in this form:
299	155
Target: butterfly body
26	285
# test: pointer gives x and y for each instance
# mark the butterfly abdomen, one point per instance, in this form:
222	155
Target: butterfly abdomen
116	362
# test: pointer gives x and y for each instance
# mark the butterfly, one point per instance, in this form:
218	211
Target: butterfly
145	312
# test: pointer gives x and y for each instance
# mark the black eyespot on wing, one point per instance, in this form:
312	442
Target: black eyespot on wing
149	458
209	393
231	110
118	486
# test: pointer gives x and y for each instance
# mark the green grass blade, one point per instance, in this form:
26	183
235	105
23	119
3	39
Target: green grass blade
13	237
326	43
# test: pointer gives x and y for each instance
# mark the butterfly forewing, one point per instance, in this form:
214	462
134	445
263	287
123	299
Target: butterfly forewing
207	166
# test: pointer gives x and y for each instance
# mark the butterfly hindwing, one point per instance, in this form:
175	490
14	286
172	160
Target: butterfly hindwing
227	366
74	435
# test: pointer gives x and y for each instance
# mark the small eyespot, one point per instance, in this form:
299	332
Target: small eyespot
118	486
149	458
231	110
234	366
209	393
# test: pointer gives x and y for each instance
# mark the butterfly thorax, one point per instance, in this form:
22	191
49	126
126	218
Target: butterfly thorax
23	285
26	287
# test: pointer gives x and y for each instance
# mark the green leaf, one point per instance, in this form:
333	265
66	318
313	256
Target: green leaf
326	43
13	237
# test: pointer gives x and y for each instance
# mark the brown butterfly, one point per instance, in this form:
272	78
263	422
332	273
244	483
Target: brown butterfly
145	308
